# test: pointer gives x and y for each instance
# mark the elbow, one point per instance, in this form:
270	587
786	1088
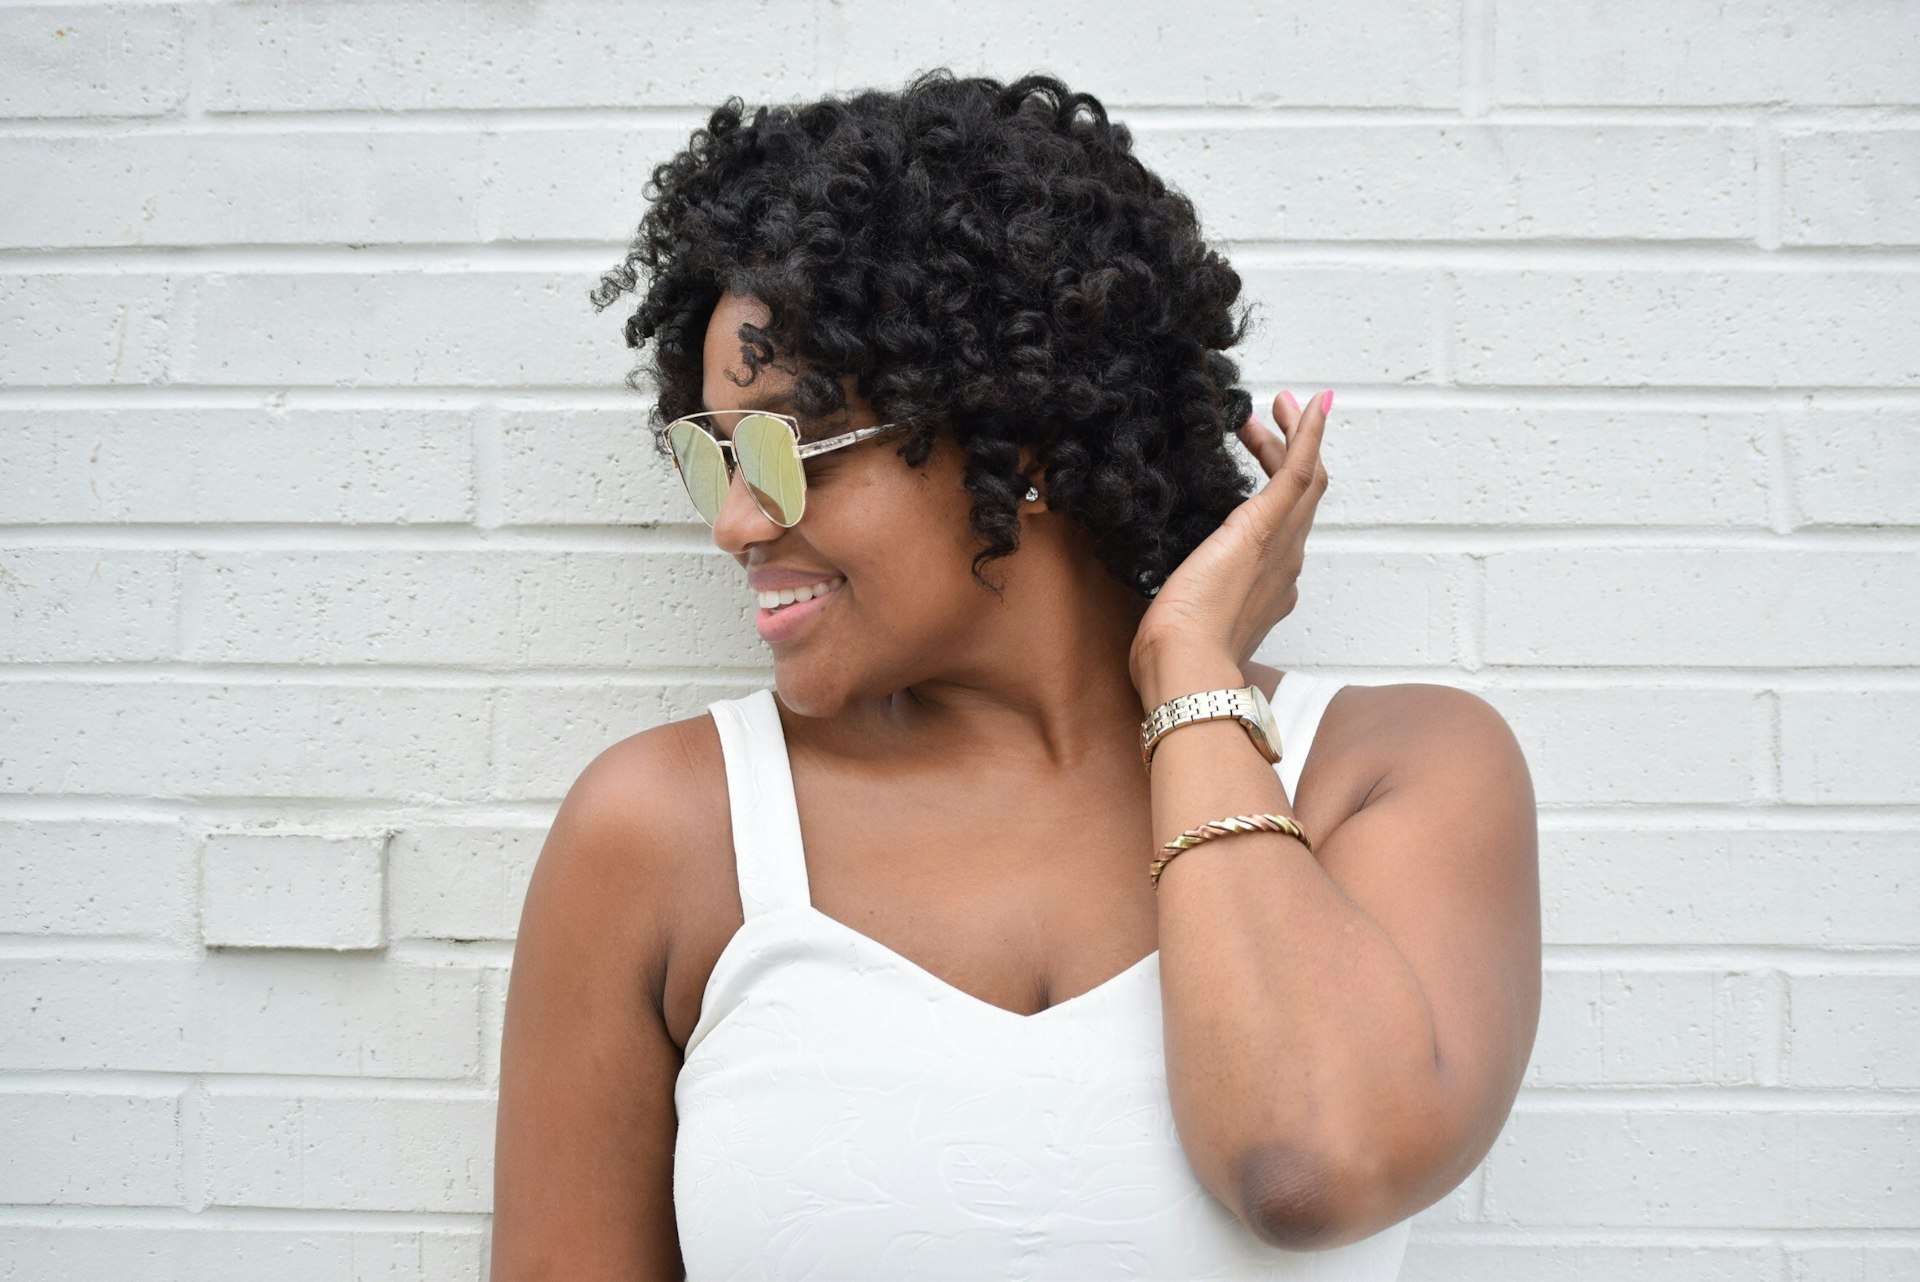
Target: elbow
1289	1196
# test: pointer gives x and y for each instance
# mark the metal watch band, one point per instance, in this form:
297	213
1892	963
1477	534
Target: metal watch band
1204	705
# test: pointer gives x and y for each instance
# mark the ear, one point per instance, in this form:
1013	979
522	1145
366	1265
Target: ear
1035	474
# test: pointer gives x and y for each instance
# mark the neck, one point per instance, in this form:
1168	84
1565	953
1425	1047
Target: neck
1043	684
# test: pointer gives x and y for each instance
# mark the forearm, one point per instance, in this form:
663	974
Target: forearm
1296	1033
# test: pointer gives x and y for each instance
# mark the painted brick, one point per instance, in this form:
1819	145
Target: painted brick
71	737
1583	1260
293	890
240	1013
92	60
1723	328
97	877
361	1152
1509	182
1372	324
1821	887
58	330
1625	744
88	605
1540	466
1775	1168
493	1022
570	183
1413	52
545	733
229	1253
1853	1262
1351	595
1854	1030
460	882
1856	467
1702	607
80	1148
1848	747
489	607
1654	1028
217	188
577	467
388	56
1633	52
403	328
210	465
1850	187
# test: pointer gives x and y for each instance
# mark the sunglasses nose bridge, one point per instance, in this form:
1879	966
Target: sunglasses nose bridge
737	480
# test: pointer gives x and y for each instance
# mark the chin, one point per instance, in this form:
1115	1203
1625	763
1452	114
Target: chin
806	689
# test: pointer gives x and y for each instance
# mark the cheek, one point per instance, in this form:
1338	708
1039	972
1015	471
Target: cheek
900	535
907	571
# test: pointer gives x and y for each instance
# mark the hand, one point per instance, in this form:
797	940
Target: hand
1243	578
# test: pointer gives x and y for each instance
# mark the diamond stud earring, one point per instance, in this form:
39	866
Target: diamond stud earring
1032	493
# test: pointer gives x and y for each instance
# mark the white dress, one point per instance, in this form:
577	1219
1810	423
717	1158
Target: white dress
845	1114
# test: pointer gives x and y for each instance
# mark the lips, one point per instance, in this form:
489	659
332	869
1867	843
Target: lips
778	625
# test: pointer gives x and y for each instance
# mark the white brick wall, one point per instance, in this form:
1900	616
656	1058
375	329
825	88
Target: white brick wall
330	555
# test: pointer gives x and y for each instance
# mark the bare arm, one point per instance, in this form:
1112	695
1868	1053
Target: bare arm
1347	1028
584	1136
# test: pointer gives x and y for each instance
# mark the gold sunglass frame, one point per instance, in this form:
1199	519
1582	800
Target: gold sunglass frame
729	456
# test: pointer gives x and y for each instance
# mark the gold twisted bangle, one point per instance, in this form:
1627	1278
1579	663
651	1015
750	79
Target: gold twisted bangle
1224	828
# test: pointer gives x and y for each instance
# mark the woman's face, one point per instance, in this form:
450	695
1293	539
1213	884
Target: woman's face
909	609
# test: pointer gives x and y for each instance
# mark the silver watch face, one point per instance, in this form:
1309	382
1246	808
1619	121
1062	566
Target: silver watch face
1263	713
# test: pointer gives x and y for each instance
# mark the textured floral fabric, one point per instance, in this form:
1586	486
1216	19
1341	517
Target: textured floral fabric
846	1114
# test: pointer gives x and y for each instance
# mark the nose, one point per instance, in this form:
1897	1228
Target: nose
741	523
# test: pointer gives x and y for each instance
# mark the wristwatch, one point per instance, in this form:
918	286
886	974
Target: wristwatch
1246	704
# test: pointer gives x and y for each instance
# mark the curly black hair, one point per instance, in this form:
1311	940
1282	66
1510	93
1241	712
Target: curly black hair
990	262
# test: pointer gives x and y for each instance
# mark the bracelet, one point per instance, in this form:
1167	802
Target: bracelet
1224	828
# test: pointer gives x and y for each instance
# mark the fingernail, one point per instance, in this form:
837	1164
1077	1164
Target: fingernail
1326	402
1288	397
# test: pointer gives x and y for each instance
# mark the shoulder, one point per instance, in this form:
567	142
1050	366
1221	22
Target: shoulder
643	786
624	844
1424	728
1441	727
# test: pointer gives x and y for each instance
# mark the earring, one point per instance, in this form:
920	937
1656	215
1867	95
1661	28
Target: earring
1032	493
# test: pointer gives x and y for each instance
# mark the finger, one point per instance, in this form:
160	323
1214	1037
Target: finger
1268	447
1286	411
1303	443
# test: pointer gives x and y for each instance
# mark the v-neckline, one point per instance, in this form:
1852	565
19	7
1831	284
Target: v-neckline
922	975
954	992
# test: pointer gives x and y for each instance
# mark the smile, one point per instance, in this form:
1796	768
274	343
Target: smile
780	621
774	601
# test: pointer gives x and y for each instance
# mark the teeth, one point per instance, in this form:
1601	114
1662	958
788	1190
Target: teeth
774	600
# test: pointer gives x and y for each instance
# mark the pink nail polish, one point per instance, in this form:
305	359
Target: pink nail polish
1291	403
1326	402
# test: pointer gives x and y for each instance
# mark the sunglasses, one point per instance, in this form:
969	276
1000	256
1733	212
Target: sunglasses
765	448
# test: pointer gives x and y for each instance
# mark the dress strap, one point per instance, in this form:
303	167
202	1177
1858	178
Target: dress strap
1298	703
767	849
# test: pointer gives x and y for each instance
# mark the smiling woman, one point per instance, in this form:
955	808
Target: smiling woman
873	972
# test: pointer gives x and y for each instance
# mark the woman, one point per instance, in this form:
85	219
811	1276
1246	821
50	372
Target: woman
973	1026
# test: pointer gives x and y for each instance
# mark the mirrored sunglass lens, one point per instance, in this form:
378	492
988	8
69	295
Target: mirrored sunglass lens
701	465
764	446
